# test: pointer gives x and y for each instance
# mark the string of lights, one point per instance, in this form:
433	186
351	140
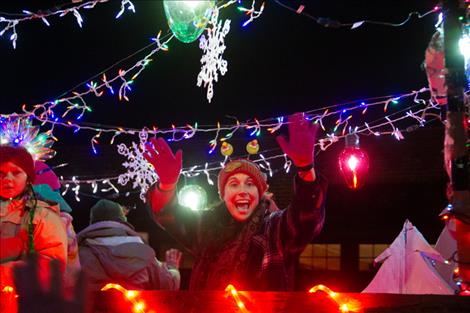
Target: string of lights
75	101
328	22
10	24
342	113
143	176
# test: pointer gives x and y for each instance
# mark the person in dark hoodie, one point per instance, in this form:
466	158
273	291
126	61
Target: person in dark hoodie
111	251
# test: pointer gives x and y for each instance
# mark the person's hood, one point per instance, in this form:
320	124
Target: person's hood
118	248
105	229
124	260
44	192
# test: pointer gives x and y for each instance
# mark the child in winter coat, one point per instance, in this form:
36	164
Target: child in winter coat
27	225
243	241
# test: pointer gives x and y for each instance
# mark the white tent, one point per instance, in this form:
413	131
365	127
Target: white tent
408	267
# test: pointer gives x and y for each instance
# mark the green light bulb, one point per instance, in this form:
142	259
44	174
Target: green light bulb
188	19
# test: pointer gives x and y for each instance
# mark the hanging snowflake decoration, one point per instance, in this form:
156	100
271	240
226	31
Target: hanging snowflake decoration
213	48
139	170
19	131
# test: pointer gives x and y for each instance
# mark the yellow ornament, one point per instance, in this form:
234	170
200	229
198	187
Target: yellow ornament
252	147
226	149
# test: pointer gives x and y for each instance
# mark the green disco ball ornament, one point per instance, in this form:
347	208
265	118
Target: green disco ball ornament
188	19
193	197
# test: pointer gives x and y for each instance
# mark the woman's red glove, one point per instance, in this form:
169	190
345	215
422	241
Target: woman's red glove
166	164
302	138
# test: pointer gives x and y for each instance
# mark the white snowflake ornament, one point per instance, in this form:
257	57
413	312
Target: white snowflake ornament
138	168
213	47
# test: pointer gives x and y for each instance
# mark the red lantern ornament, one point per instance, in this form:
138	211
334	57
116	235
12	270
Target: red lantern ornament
353	162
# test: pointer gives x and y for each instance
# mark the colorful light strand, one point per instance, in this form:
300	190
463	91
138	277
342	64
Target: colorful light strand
270	124
323	143
44	112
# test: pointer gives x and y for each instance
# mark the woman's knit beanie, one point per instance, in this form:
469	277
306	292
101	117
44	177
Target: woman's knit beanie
246	167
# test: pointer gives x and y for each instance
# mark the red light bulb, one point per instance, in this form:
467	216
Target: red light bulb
353	162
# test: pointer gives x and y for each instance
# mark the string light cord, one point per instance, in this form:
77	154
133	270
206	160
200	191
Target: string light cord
327	22
23	14
107	69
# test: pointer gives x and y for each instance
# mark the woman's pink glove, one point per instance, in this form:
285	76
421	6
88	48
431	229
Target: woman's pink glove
302	138
166	164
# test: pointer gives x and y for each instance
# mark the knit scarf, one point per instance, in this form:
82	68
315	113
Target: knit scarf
218	265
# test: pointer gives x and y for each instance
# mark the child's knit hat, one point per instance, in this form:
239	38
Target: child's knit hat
45	175
19	156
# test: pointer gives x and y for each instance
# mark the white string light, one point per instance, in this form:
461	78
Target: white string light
9	24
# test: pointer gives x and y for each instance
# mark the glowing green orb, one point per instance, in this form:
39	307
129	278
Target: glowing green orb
187	19
193	197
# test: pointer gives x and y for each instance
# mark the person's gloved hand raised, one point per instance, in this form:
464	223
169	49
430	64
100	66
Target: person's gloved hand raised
302	137
166	164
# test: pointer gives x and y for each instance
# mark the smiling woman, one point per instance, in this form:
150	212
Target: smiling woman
241	184
242	240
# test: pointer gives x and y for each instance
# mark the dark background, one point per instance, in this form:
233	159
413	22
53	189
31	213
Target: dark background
279	64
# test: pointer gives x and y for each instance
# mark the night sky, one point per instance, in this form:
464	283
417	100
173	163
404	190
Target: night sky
279	64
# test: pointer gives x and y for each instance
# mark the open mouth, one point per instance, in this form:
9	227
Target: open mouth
242	206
